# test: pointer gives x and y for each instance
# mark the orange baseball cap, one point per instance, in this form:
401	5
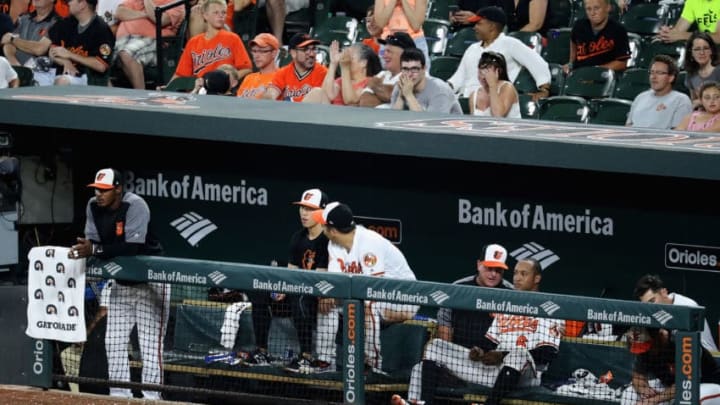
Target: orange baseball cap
265	40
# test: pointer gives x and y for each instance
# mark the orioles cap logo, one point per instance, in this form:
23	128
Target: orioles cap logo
369	260
497	255
100	176
308	196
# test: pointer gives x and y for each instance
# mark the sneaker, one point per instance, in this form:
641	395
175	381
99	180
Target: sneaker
300	365
258	358
321	366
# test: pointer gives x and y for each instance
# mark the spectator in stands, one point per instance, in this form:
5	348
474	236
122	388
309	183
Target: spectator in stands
489	30
373	29
706	119
650	288
294	81
416	91
458	329
308	251
233	75
704	14
118	224
496	96
30	41
198	25
215	47
379	89
213	83
264	50
654	370
277	11
107	10
464	15
8	75
701	64
353	249
403	16
598	40
80	44
136	45
660	107
528	15
358	63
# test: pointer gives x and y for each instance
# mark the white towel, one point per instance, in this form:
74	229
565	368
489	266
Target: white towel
231	324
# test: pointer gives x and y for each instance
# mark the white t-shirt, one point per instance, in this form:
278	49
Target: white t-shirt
370	255
7	73
706	338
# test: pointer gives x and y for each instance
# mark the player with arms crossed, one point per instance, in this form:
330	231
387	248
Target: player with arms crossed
355	249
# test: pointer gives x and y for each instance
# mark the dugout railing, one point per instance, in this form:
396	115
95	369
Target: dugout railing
351	383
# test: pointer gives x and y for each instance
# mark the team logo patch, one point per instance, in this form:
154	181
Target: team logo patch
119	228
105	50
369	260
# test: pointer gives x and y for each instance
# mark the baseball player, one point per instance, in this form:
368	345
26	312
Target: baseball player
653	377
293	81
117	225
216	46
514	350
356	250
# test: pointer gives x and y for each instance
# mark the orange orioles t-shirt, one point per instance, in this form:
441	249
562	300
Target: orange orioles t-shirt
254	85
294	86
202	55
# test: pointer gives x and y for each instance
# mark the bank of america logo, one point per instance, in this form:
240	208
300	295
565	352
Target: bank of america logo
549	307
324	286
662	317
533	250
112	268
439	296
193	228
217	277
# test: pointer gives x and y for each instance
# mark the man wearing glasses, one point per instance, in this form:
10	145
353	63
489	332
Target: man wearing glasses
264	49
660	107
294	81
416	91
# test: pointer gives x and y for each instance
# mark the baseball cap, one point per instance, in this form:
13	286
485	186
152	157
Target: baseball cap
264	40
313	198
106	179
335	214
400	39
301	40
639	339
217	82
495	256
490	13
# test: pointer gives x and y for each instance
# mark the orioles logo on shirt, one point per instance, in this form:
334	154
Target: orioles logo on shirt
105	50
369	260
352	267
512	323
308	260
119	228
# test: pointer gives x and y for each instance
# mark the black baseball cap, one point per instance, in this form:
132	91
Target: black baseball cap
490	13
301	40
217	82
400	39
335	214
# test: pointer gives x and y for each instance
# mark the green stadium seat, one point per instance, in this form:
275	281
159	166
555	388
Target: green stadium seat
557	49
531	39
443	67
181	84
635	41
362	32
528	107
25	76
564	108
590	82
650	49
459	42
524	82
679	84
436	35
464	104
642	18
631	83
557	78
609	111
438	10
341	28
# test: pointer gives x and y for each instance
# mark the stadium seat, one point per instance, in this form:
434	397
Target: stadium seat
438	10
464	104
531	39
172	48
609	111
564	108
635	42
355	7
323	55
459	42
642	18
304	19
245	23
589	82
436	34
561	13
284	57
524	82
25	76
557	79
362	32
679	84
528	107
181	84
341	28
631	83
650	49
443	67
557	49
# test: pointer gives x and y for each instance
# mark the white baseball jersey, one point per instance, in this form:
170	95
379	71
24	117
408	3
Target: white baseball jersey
513	331
705	336
370	255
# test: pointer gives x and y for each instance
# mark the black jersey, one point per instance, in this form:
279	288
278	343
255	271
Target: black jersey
308	254
598	48
96	40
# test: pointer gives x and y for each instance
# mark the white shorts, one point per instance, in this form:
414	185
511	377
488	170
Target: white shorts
290	5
